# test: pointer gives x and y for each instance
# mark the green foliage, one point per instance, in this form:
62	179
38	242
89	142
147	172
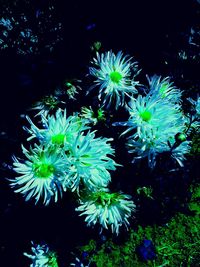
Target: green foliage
177	244
195	147
194	204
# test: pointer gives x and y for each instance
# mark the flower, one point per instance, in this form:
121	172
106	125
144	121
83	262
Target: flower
58	129
152	143
113	76
155	123
164	89
108	209
148	112
42	256
88	160
41	174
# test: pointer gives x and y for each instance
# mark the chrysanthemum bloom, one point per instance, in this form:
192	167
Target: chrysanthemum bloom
108	209
57	130
151	143
149	112
164	89
89	162
42	256
41	174
154	122
113	77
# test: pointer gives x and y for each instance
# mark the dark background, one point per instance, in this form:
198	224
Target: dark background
151	31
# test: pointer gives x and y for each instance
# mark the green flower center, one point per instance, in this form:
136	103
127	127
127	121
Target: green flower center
115	76
145	115
58	139
106	199
43	170
52	259
100	115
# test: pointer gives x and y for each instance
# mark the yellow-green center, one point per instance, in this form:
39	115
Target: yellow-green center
105	198
145	115
58	139
115	76
43	170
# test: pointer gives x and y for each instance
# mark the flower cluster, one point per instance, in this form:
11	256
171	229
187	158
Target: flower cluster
42	256
67	155
154	122
114	79
66	158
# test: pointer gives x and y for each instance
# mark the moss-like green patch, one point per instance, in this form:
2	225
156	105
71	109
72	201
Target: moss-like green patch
177	244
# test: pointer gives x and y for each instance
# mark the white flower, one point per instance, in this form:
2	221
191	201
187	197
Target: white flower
164	89
89	161
42	256
148	112
154	123
58	129
41	174
113	77
151	143
108	209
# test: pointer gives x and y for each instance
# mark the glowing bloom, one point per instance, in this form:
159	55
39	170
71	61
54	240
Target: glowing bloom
57	130
89	161
148	112
164	89
154	123
41	174
108	209
42	256
113	77
151	143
